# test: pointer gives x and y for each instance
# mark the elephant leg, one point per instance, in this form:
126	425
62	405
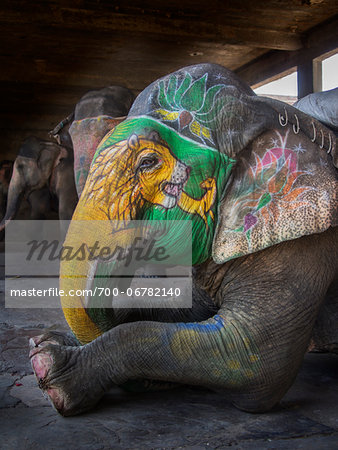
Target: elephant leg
65	190
325	332
252	349
40	203
201	309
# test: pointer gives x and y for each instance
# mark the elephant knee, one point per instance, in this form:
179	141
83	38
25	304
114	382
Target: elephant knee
261	397
255	405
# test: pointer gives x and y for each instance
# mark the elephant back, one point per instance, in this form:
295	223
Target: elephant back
323	106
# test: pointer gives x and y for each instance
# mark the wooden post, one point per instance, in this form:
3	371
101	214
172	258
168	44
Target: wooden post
317	75
305	78
319	41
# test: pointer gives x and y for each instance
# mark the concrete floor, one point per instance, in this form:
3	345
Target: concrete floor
192	418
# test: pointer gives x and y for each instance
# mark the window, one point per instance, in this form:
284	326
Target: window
330	72
284	88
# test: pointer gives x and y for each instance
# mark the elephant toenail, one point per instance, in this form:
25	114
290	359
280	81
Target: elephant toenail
32	343
35	341
34	351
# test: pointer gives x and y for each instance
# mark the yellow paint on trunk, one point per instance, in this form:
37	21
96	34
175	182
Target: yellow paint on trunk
82	326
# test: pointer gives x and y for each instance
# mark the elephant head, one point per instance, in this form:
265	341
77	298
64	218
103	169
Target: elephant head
96	113
41	165
199	145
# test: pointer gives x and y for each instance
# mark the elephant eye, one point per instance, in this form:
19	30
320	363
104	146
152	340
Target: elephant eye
147	162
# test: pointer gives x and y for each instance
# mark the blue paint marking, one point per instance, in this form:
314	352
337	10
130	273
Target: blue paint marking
217	326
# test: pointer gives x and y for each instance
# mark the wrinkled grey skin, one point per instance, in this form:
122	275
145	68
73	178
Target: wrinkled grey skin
113	101
271	303
42	171
324	107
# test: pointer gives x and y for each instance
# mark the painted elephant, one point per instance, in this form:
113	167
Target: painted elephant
257	181
42	172
96	113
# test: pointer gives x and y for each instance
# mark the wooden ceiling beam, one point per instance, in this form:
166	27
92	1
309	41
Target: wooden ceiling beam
72	58
147	24
319	40
182	28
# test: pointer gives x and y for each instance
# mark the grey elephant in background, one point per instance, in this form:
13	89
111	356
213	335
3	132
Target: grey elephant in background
31	207
95	114
6	169
43	175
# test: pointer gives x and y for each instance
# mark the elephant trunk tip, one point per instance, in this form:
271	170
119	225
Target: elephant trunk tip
2	226
5	221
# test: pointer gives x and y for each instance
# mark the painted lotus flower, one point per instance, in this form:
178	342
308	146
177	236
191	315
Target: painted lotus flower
268	188
190	104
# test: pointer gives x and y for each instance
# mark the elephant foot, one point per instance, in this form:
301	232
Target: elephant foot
54	337
62	376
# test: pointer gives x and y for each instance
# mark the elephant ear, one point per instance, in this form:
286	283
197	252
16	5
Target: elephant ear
86	135
282	187
47	157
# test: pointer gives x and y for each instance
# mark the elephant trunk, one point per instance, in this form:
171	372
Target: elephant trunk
88	277
16	191
92	230
115	193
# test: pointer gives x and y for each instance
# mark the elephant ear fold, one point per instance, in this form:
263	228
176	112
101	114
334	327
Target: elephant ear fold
63	154
282	187
86	135
49	153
